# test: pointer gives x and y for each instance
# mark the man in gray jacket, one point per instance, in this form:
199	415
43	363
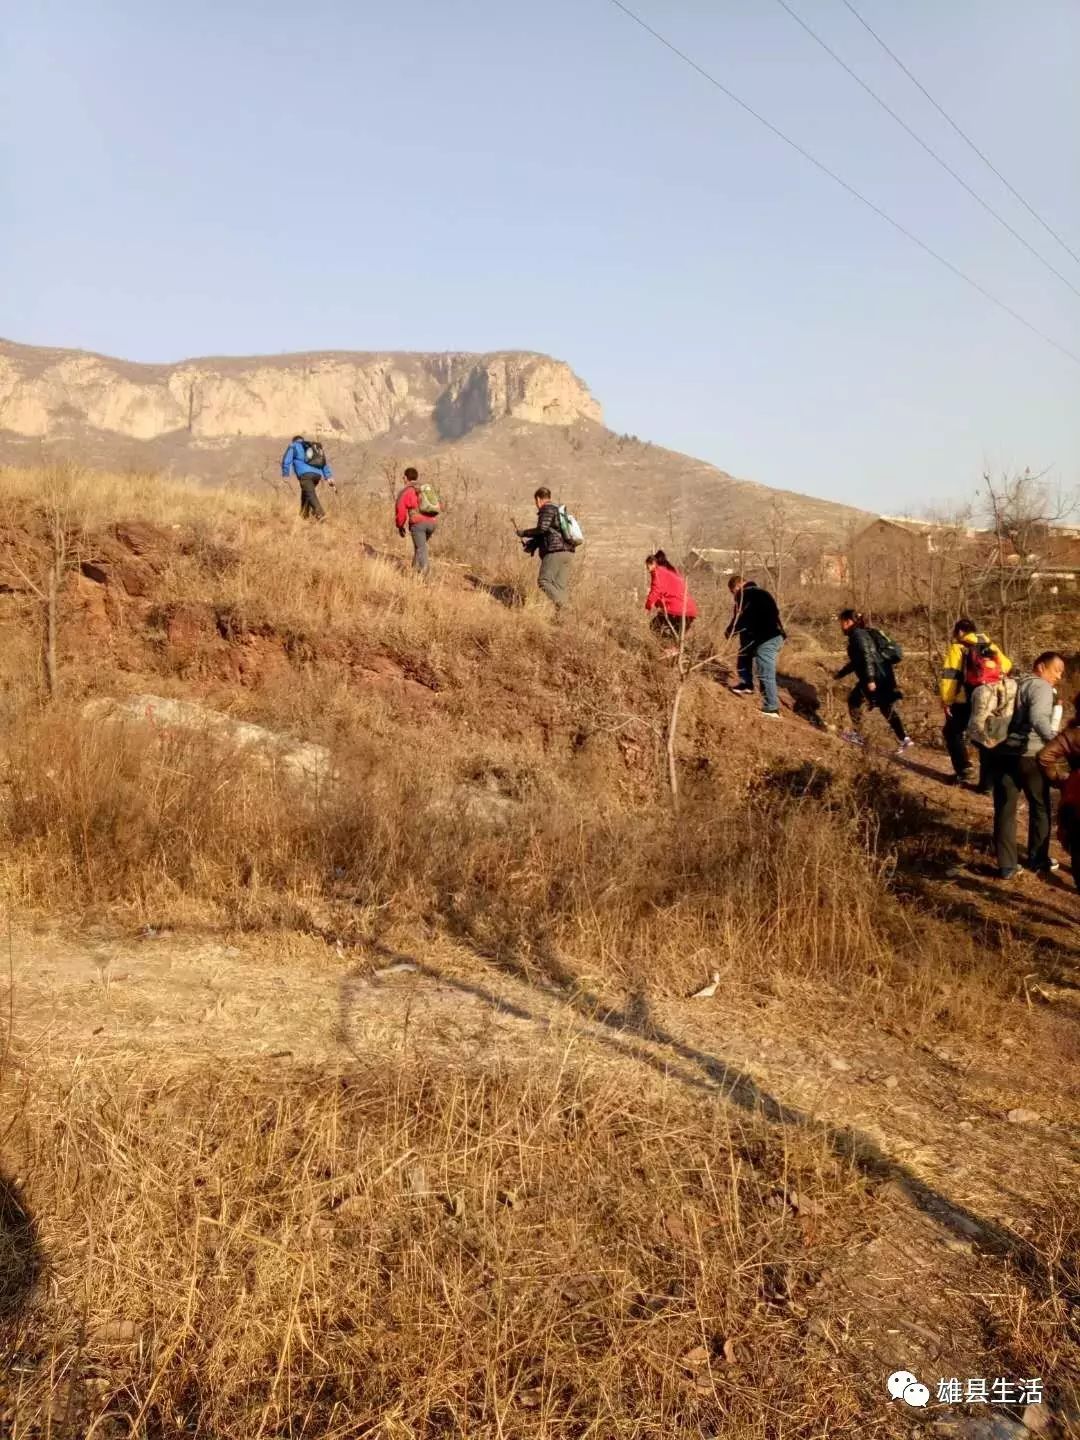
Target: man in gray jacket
1016	770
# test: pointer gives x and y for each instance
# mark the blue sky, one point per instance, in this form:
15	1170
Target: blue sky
238	177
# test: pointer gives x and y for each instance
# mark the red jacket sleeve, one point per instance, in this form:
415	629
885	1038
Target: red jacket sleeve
653	597
406	501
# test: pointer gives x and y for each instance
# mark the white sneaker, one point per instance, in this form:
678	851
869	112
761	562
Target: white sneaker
906	744
770	714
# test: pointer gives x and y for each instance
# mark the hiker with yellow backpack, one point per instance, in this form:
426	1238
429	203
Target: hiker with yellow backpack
971	660
417	510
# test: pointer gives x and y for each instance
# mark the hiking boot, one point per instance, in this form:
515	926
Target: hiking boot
964	779
742	690
906	744
852	737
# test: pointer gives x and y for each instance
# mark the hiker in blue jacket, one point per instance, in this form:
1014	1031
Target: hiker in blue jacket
306	459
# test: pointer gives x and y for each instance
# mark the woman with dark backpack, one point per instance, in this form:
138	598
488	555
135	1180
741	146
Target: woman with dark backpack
868	661
669	596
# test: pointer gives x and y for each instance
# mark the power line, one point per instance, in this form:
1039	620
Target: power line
844	184
963	135
928	148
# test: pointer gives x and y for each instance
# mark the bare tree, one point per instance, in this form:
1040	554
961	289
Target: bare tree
39	570
685	668
785	540
1022	510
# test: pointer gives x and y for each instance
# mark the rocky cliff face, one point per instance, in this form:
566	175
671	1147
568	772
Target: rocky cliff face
346	396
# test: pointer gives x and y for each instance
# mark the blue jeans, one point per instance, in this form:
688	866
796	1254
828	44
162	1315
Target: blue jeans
765	657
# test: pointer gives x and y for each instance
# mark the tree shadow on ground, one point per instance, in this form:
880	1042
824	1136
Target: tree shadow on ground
372	552
803	694
508	595
21	1259
928	772
805	698
631	1032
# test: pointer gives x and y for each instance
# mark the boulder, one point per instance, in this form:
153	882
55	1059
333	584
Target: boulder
305	762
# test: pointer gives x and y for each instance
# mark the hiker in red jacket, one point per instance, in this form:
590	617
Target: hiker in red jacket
417	510
671	599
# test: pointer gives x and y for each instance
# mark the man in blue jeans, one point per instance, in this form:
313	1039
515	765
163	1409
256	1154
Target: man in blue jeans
756	622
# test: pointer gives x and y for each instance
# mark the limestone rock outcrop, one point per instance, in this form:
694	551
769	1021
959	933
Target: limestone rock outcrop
347	396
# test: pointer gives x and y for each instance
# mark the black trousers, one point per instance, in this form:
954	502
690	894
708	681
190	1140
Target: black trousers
1013	776
859	697
670	627
310	504
956	722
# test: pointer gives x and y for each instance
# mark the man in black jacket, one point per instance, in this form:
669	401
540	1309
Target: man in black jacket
555	551
756	621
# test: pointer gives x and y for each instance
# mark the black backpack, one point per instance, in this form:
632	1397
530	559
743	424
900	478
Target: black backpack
890	651
314	455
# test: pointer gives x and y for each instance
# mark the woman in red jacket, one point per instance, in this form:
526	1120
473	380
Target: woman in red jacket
669	597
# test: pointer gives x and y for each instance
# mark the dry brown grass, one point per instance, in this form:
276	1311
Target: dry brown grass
407	1253
770	871
562	878
236	1252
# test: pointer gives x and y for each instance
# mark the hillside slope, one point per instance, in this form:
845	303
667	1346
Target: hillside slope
503	423
381	1087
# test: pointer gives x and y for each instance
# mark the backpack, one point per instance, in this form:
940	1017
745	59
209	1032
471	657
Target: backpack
982	666
430	504
992	709
314	455
569	528
890	652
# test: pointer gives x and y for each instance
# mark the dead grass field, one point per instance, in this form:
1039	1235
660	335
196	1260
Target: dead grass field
606	1229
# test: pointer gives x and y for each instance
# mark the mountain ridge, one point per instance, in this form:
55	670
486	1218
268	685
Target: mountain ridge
510	420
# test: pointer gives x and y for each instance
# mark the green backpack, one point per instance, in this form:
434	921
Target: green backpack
430	504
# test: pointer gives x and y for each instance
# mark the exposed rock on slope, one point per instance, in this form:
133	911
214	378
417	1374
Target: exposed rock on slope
354	397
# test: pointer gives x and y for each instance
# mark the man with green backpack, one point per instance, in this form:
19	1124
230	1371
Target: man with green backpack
554	537
417	510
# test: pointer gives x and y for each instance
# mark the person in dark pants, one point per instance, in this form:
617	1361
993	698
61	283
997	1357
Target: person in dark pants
556	552
1060	763
412	511
972	659
876	687
756	621
305	459
1015	770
